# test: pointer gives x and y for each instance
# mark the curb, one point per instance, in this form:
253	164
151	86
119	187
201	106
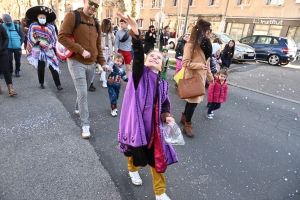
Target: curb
252	90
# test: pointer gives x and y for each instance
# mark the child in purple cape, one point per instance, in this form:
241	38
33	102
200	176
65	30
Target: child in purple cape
146	106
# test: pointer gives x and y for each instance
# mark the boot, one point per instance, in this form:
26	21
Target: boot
11	90
183	118
188	129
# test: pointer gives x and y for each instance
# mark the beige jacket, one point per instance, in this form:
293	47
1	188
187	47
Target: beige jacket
192	61
111	41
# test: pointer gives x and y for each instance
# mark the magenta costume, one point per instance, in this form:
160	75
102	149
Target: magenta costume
137	121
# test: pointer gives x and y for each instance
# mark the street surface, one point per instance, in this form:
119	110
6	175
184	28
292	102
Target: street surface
250	150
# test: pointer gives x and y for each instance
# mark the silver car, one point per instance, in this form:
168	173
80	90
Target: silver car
242	52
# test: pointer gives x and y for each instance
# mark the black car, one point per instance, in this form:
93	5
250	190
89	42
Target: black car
274	49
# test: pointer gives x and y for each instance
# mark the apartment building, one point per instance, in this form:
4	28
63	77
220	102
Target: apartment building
238	18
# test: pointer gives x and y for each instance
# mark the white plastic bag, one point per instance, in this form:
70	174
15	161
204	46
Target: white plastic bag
172	134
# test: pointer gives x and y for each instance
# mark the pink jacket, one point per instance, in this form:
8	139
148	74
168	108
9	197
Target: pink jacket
217	92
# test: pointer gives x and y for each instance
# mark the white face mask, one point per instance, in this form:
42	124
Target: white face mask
42	21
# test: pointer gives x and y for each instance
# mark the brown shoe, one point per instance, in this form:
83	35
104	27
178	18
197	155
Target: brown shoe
183	118
188	129
11	90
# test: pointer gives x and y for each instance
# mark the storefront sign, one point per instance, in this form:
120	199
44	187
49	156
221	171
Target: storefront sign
268	21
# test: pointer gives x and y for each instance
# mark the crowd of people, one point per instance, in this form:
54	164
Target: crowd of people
123	57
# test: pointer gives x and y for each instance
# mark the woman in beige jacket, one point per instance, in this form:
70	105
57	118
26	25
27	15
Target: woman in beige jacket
107	43
196	53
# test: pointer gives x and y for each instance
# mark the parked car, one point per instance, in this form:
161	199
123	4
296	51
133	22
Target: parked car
274	49
242	52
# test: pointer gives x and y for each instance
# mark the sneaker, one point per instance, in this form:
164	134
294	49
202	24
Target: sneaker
17	73
209	116
104	84
135	178
76	112
212	113
86	132
163	196
114	112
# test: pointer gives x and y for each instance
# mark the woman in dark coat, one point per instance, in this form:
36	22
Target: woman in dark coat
4	60
227	54
150	39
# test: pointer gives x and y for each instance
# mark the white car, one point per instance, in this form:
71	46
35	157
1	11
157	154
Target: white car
242	52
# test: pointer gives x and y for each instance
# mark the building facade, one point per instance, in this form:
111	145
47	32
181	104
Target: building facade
238	18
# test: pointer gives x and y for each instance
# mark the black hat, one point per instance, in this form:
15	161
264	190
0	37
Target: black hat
34	11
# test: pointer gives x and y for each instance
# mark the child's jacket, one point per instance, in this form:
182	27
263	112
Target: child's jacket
217	92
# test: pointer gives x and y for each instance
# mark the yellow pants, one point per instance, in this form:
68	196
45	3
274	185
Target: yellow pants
158	179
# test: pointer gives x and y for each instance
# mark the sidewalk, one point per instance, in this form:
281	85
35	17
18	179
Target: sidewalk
42	153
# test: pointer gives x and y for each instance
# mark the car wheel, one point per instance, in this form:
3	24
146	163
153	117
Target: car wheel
172	45
274	59
284	63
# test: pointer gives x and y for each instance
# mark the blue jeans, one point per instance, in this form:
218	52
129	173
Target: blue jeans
17	56
113	91
213	106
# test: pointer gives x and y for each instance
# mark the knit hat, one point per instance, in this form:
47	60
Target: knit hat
216	47
6	18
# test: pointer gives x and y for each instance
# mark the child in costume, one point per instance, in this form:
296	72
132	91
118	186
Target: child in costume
166	62
146	106
114	82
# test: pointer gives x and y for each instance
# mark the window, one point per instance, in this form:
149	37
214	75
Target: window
246	30
261	29
275	41
294	33
275	30
213	2
275	2
140	23
264	40
228	28
236	31
248	40
109	13
174	3
243	2
156	3
297	1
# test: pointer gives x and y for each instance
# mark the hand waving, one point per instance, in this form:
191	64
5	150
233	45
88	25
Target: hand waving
130	21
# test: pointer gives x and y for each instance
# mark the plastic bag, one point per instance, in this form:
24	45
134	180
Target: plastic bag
172	134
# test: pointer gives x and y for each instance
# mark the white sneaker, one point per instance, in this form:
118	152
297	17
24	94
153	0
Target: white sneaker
212	113
163	196
114	112
76	112
209	116
86	132
101	79
135	178
104	84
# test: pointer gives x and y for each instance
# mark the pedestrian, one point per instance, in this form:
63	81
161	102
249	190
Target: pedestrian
217	92
107	42
150	39
196	52
4	60
146	106
87	50
16	39
114	82
165	62
123	45
25	30
164	37
227	54
179	51
41	43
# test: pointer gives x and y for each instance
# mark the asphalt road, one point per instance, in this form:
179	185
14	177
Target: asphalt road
250	150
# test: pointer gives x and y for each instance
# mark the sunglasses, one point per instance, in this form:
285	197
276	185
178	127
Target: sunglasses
91	3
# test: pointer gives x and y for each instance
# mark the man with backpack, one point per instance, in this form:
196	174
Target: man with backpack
85	29
16	39
123	45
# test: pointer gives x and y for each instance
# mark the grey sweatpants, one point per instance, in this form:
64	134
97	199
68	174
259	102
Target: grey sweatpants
82	75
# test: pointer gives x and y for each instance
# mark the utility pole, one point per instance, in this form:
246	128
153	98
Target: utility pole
186	16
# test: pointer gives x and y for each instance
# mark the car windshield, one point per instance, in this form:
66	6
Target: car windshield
225	37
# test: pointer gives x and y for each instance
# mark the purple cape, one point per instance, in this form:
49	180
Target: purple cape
136	121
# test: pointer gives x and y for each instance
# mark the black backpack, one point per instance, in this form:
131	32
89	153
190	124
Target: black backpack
78	21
